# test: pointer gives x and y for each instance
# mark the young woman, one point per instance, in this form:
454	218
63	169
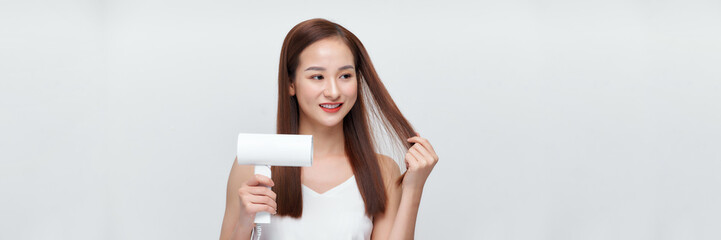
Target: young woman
328	88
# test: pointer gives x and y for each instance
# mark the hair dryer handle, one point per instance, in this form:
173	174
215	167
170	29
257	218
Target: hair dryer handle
262	217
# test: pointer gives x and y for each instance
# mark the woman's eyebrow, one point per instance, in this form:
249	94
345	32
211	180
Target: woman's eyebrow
315	68
323	69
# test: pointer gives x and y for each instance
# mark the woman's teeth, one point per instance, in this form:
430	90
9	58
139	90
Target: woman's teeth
330	106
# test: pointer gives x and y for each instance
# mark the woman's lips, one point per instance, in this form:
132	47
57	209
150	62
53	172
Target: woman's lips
330	107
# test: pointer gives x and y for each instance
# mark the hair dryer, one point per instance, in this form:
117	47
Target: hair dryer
265	150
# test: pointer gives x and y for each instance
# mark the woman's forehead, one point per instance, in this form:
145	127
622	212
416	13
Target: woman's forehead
329	53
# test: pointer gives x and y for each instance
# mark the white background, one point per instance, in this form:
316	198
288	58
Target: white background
552	119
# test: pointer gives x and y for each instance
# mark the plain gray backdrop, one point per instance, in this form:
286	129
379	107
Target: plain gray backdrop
552	119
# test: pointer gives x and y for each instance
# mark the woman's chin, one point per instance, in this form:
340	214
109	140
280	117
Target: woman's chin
331	123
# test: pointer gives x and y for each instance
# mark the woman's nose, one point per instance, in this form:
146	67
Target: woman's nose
331	89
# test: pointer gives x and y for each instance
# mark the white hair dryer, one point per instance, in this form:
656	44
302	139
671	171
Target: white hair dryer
265	150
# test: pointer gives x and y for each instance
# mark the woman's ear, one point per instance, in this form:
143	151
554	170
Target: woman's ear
291	89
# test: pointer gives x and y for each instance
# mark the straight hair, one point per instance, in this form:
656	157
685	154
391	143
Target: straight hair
374	108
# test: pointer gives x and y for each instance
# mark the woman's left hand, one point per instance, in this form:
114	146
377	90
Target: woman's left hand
420	160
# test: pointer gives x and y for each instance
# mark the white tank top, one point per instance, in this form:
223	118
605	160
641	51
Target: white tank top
338	213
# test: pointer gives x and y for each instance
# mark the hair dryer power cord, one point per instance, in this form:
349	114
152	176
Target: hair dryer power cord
257	230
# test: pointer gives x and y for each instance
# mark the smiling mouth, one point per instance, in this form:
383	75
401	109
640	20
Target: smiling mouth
331	107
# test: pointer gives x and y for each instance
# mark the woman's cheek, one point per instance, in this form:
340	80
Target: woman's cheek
351	89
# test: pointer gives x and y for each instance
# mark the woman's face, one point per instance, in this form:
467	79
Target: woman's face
325	82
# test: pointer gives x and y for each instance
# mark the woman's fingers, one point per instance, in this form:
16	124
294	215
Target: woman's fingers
418	156
263	200
423	142
426	144
411	162
255	208
256	196
427	157
259	179
422	158
262	191
253	203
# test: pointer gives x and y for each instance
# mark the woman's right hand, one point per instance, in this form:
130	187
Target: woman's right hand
255	196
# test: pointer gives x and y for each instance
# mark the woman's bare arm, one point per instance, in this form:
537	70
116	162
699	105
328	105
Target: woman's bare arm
420	160
404	226
232	228
383	223
399	220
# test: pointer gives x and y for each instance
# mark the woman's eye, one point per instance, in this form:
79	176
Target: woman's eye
345	76
317	77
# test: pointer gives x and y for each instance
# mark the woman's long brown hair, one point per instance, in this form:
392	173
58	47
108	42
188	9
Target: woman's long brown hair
374	108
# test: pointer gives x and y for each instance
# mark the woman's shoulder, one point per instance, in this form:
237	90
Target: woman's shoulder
385	160
389	167
240	174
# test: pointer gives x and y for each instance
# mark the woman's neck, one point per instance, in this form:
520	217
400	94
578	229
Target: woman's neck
327	141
